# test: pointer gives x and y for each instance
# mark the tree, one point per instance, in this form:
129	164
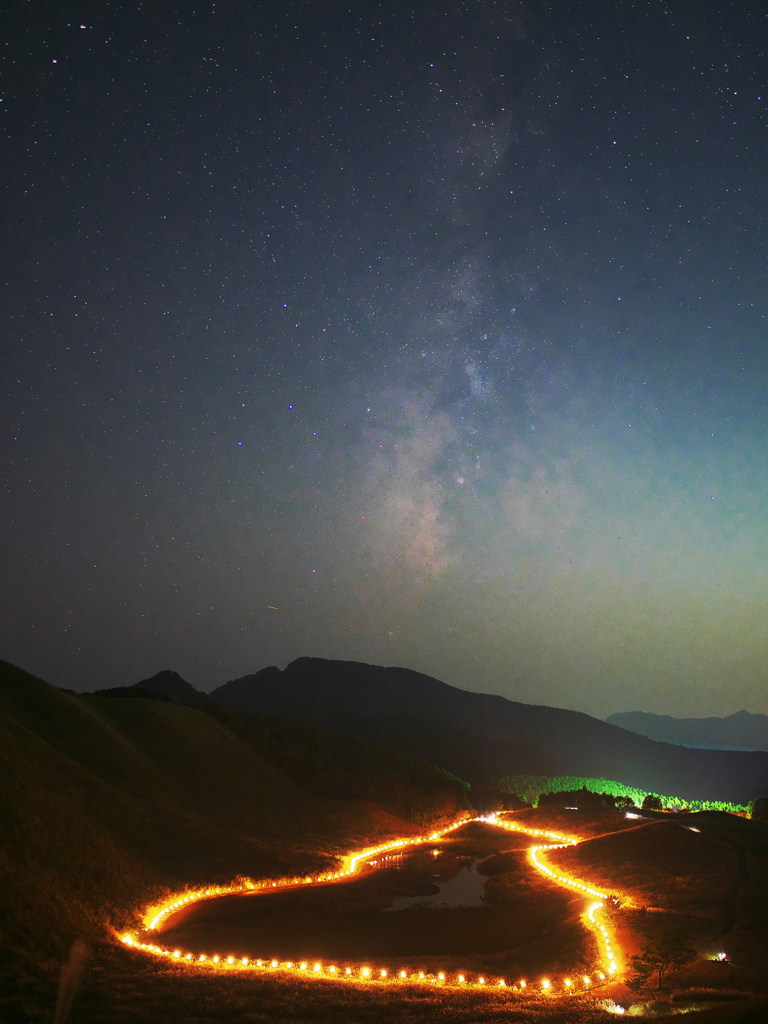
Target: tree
758	808
661	954
652	802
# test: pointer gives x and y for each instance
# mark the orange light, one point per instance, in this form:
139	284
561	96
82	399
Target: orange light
155	916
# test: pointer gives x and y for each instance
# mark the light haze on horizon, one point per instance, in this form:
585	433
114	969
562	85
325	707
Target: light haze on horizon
412	336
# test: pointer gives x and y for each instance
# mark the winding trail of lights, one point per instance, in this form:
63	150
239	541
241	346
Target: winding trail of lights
365	973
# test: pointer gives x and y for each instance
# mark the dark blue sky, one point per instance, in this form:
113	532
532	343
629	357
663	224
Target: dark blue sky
428	334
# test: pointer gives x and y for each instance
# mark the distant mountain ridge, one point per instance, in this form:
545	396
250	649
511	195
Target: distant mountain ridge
482	737
741	731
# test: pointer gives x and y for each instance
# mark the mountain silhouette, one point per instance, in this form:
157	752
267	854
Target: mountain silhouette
172	685
742	731
482	737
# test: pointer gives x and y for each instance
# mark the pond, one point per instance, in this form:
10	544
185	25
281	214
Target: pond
455	879
425	903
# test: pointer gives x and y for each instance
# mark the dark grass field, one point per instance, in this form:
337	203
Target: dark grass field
123	986
704	873
127	988
107	806
529	928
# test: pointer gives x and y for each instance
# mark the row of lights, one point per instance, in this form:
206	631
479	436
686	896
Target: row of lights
363	973
350	865
535	854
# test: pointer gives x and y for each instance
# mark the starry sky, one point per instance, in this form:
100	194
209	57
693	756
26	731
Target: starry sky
427	334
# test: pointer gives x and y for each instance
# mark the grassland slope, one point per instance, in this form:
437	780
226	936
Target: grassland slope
106	803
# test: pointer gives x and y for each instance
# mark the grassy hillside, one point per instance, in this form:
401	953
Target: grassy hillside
106	803
332	765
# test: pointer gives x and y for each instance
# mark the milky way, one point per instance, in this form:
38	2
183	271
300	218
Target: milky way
423	335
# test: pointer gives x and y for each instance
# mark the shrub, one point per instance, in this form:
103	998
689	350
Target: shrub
652	802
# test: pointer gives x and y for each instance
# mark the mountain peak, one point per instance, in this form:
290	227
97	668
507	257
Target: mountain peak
172	685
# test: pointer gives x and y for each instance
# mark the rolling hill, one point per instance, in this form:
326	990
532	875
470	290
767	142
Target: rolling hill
483	737
107	802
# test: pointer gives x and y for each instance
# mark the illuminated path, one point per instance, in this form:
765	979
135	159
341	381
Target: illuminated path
367	973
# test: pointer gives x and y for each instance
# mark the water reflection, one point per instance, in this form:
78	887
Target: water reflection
445	880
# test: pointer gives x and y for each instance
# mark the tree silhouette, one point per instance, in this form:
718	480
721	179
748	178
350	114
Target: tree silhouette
652	803
660	954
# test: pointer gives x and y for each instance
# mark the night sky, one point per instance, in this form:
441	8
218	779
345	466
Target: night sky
427	334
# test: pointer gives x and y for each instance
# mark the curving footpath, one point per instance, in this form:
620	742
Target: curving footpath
367	973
